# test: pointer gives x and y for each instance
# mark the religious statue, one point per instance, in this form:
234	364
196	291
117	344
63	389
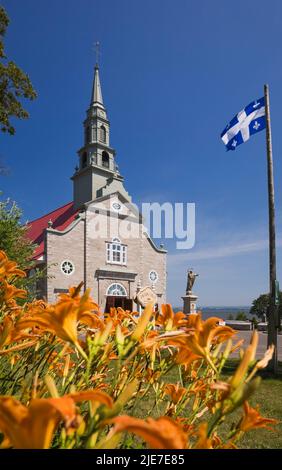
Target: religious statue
191	277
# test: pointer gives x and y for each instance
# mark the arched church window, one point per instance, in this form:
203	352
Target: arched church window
88	135
103	134
105	159
84	160
117	290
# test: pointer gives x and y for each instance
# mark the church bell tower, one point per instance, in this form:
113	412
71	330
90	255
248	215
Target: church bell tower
97	173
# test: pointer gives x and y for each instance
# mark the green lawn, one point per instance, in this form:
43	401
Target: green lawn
268	397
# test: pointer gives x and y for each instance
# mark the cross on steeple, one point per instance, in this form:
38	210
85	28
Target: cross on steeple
97	51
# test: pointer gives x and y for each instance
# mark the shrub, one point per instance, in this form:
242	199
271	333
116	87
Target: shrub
241	316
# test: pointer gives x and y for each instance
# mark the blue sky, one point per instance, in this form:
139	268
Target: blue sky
173	74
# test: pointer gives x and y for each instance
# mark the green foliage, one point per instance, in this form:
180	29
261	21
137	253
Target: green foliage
255	323
261	304
241	316
14	84
230	317
13	238
16	244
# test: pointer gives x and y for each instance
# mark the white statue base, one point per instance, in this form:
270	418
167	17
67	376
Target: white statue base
190	304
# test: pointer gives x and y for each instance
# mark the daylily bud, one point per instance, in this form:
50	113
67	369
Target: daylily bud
143	322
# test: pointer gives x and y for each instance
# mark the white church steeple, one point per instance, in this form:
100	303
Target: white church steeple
97	167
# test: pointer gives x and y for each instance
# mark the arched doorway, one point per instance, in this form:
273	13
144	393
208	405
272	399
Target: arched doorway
117	297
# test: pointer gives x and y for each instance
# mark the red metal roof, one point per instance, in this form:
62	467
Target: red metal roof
61	219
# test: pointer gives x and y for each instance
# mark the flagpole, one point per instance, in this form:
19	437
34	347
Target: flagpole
273	310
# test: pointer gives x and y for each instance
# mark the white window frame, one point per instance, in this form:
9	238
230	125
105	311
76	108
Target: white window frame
73	267
117	295
114	248
103	134
157	276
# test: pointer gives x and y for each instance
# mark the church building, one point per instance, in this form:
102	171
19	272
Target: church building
99	237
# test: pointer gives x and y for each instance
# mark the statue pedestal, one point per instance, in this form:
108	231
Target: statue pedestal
190	304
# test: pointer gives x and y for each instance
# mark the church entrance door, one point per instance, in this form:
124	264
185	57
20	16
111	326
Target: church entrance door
117	297
118	301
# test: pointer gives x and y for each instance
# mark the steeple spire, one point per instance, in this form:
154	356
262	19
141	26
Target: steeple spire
96	97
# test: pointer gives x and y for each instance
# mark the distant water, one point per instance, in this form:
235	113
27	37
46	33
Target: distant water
221	312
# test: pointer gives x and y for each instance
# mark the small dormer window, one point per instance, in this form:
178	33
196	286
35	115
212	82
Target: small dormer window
103	134
105	160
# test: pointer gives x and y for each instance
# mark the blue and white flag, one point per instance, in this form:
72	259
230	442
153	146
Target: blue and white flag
247	122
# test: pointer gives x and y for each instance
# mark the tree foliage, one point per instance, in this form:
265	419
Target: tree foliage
241	316
13	235
15	242
261	304
14	84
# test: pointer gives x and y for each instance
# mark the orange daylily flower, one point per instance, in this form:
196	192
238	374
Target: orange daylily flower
33	427
175	391
83	302
161	433
9	268
187	427
203	442
186	357
120	319
206	333
62	318
253	420
60	363
169	319
58	319
92	320
201	335
9	334
34	307
117	315
10	293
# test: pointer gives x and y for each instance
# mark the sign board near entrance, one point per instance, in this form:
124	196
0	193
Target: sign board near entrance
145	296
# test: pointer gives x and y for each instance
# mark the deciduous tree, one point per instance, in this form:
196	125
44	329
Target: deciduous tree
14	84
261	304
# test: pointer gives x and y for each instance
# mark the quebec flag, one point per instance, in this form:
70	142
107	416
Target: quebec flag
247	122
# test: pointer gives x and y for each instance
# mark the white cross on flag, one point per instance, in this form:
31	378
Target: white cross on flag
247	122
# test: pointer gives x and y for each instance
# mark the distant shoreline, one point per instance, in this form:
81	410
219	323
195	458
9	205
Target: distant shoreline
223	312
